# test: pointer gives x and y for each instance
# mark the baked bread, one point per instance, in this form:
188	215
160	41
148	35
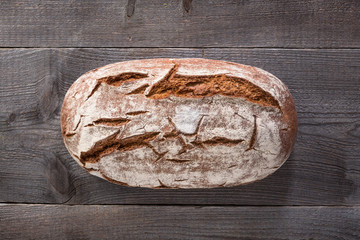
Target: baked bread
179	123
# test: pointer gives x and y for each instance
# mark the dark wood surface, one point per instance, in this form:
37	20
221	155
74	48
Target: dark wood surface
312	46
159	23
324	168
178	222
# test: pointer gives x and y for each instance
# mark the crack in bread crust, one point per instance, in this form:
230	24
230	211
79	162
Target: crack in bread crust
136	113
111	121
253	136
207	86
199	86
112	143
117	80
193	86
139	90
220	141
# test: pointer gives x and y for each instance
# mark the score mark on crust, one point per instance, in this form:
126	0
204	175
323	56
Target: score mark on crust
118	80
193	86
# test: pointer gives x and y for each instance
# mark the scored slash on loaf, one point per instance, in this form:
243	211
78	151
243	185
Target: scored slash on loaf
179	123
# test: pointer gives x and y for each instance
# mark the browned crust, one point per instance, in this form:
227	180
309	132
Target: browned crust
112	143
112	180
112	121
88	84
194	86
139	90
209	85
253	136
118	80
288	135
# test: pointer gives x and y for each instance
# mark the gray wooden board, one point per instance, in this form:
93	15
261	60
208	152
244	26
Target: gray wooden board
324	168
177	222
158	23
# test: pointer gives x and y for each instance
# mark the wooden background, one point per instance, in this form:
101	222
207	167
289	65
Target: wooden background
312	46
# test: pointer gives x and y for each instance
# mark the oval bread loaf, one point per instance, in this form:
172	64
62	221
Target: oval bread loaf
179	123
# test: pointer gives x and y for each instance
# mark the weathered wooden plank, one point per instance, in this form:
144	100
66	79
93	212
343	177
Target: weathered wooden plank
322	170
124	23
176	222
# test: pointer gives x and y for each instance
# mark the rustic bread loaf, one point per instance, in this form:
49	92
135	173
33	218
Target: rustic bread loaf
179	123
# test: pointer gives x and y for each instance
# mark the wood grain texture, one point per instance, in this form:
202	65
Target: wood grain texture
128	23
176	222
323	169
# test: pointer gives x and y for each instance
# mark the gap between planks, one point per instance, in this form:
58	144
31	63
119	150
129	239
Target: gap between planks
182	205
187	47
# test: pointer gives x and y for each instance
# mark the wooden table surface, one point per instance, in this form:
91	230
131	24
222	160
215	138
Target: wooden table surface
312	46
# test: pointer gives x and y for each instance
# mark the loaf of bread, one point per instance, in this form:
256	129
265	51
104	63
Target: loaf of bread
179	123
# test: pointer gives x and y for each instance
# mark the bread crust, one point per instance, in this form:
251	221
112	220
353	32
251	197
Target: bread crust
179	123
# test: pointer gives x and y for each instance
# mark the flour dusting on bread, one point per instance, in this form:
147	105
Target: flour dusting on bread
179	123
